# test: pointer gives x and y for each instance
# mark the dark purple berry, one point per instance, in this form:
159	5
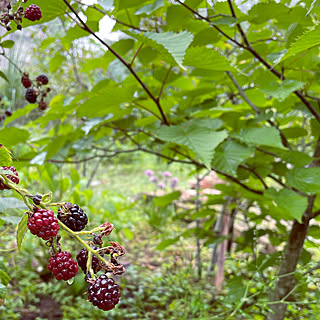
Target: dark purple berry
72	216
42	105
82	258
63	266
33	13
27	83
104	293
43	79
31	95
8	113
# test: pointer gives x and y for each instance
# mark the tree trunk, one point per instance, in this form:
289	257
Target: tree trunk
289	264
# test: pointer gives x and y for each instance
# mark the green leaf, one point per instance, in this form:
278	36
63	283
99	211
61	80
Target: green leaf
294	132
206	58
21	112
22	228
165	200
7	44
3	76
11	203
306	180
5	157
149	8
201	140
12	136
260	136
4	278
292	204
166	243
230	155
281	90
3	291
175	43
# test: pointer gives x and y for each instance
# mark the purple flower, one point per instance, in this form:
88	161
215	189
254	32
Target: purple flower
174	182
167	174
149	173
161	185
153	179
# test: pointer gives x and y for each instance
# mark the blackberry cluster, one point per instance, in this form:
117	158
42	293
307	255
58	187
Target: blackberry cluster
72	216
63	266
35	90
82	258
43	223
8	14
104	293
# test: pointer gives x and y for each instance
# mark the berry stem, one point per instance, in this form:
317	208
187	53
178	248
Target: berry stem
89	266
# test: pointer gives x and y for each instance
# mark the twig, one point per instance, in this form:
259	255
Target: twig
163	83
135	55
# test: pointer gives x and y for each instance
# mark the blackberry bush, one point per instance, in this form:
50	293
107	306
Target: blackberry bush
43	223
63	266
104	293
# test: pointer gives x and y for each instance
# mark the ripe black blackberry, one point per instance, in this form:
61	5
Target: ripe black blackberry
43	79
8	113
31	95
104	293
63	266
12	178
82	258
33	13
43	223
72	216
27	83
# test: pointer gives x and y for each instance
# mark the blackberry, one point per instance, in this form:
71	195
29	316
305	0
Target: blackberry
31	96
33	13
43	223
63	266
12	178
26	81
82	258
43	79
104	293
19	26
72	216
42	105
8	113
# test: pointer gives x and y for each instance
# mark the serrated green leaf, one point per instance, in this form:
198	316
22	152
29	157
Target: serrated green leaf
175	43
22	228
165	200
260	136
12	136
229	156
291	203
281	90
149	8
5	157
306	180
206	58
201	140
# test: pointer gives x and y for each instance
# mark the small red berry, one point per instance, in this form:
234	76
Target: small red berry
43	223
27	83
33	13
63	266
12	178
42	105
104	293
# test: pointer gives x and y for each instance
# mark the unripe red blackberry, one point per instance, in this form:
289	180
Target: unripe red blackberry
33	13
72	216
43	79
31	96
27	83
104	293
43	223
82	258
42	105
63	266
12	178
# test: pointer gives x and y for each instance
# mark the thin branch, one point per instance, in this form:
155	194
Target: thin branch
14	64
256	174
135	55
163	83
145	108
256	109
86	28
